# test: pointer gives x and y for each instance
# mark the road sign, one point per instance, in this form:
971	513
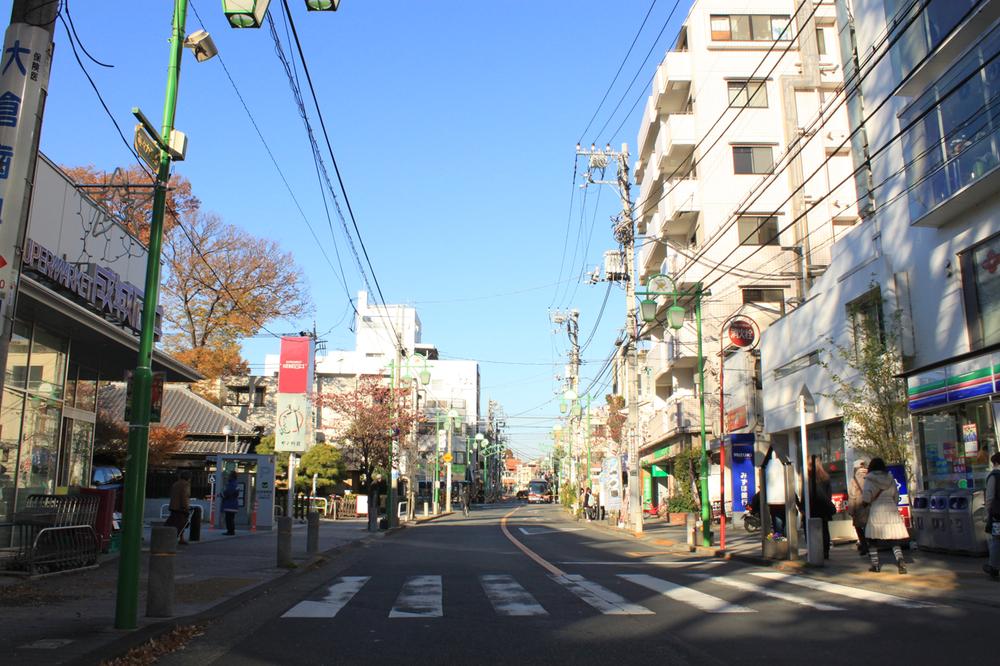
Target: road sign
447	457
146	146
743	332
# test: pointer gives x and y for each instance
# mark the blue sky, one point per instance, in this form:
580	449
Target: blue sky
454	124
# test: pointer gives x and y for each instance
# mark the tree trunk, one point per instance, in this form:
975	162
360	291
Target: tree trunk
372	508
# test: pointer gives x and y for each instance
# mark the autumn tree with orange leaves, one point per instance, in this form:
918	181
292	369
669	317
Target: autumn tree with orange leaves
369	416
221	283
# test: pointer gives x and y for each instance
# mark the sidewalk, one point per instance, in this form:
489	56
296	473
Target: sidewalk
56	619
932	575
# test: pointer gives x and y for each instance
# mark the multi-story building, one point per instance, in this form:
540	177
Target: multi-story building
924	263
453	386
731	105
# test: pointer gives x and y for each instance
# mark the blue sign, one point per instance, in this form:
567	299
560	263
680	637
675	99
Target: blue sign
743	476
899	474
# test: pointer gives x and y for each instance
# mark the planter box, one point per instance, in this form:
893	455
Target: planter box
677	518
775	550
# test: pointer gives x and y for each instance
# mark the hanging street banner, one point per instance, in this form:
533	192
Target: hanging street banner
294	422
25	61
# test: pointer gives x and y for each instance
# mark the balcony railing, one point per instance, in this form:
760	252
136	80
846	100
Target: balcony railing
678	415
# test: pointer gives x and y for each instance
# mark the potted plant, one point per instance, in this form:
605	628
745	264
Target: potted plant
679	506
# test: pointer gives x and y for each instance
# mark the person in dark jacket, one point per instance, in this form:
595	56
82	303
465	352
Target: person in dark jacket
820	501
231	503
992	568
180	504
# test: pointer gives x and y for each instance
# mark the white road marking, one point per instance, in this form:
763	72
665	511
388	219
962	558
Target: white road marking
508	597
844	590
532	531
337	596
662	563
747	586
420	597
699	600
599	597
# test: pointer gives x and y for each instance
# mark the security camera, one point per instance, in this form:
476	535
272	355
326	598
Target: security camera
200	42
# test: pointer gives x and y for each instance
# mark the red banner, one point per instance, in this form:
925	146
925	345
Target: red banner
294	370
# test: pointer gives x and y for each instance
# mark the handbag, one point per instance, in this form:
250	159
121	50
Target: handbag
995	528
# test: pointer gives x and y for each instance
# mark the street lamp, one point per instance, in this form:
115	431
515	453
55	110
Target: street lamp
245	13
480	447
452	417
664	285
166	145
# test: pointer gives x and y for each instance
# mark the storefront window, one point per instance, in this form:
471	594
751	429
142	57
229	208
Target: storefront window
48	364
10	435
956	445
16	374
826	442
36	469
86	389
75	455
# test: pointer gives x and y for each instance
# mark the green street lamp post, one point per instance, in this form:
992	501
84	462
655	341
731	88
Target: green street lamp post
450	422
166	145
658	285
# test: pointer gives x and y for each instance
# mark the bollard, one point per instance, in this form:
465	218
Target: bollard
691	528
253	517
160	586
194	532
426	509
285	542
312	532
814	542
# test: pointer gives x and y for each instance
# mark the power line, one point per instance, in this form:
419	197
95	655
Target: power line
333	159
618	73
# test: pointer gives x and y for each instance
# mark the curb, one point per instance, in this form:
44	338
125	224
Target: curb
135	638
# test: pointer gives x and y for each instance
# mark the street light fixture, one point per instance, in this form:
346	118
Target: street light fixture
664	285
245	13
322	5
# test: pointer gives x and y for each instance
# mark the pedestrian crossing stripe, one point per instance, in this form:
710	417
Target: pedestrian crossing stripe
687	595
422	596
337	596
601	598
508	597
844	590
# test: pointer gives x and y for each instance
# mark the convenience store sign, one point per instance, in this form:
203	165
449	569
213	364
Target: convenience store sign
976	377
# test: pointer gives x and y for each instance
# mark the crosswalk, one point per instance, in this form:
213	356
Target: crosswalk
423	596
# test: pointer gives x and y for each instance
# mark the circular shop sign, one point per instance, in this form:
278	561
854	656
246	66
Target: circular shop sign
743	333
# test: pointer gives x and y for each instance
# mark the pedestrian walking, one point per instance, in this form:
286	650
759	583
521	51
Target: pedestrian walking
465	500
180	504
856	507
885	526
992	569
588	499
231	503
821	501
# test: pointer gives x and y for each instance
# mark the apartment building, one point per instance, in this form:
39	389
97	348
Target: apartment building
923	264
732	198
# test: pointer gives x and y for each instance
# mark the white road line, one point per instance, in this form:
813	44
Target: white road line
337	596
662	563
532	531
508	597
420	597
844	590
747	586
699	600
599	597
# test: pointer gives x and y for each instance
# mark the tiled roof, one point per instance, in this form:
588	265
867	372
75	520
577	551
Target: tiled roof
204	446
181	407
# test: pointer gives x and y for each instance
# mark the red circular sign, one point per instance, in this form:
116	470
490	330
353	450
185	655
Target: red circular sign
742	333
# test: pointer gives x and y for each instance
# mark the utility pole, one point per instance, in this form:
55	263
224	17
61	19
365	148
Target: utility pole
570	398
624	231
26	61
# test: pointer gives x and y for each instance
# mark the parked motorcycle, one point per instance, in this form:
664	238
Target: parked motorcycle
751	522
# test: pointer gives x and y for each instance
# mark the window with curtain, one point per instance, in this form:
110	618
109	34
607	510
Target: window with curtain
752	94
753	159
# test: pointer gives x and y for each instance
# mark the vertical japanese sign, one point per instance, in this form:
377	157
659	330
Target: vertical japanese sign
294	423
744	484
25	62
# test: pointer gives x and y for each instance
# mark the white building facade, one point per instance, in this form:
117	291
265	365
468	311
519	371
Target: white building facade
927	255
729	107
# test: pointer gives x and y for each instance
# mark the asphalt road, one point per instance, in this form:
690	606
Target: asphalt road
459	590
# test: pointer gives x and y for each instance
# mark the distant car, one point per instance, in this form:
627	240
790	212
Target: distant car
521	495
107	476
539	492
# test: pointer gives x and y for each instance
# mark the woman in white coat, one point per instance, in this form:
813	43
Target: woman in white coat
885	526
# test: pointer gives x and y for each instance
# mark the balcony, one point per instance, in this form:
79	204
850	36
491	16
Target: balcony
672	84
675	143
679	415
679	209
650	256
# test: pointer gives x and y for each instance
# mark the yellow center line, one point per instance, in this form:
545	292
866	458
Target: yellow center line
551	568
